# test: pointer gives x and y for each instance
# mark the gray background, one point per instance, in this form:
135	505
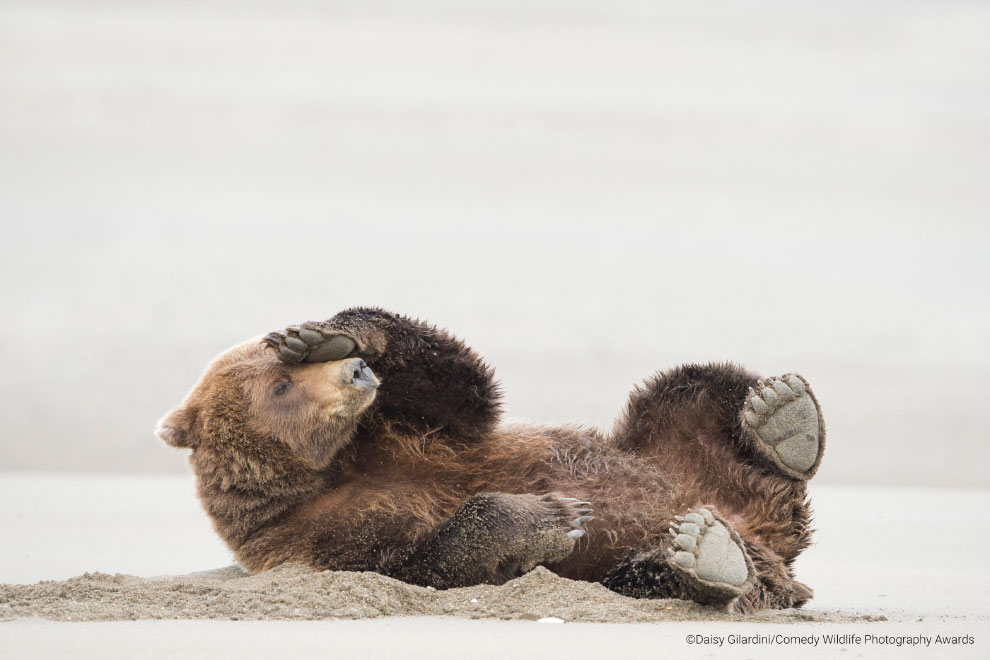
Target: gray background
584	191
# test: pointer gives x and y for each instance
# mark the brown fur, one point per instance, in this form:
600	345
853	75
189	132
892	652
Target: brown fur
419	481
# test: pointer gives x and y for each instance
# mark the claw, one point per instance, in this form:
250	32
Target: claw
576	533
582	504
578	522
585	512
679	518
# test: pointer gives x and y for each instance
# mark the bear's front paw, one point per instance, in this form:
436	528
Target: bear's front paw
311	342
568	514
559	523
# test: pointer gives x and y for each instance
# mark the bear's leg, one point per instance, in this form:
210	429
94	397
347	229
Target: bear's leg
431	382
705	560
492	538
775	586
726	437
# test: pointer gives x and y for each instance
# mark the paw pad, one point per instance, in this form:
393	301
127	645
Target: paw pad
784	417
310	343
703	548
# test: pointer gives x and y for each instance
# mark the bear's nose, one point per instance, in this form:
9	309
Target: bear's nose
360	373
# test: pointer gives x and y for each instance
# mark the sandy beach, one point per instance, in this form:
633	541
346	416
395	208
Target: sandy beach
871	569
298	592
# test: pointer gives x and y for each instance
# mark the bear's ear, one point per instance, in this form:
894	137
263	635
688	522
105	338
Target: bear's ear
176	428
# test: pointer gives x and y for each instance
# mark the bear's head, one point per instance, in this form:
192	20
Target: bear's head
248	400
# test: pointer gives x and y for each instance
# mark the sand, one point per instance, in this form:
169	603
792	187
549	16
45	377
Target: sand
297	592
871	571
74	546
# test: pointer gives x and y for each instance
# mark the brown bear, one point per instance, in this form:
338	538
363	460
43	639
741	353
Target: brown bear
372	442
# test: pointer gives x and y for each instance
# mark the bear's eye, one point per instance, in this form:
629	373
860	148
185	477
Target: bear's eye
282	388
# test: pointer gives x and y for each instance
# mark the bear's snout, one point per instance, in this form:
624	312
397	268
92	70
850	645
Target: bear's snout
357	373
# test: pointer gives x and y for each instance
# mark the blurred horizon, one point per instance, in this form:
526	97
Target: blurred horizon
584	193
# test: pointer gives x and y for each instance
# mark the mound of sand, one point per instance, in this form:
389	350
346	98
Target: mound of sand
294	591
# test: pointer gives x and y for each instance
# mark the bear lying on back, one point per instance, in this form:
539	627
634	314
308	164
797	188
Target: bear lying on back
371	442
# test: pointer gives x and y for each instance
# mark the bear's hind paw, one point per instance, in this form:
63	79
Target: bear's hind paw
785	420
709	558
